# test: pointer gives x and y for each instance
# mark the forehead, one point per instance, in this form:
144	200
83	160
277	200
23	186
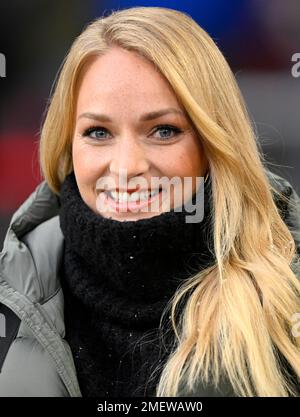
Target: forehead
124	76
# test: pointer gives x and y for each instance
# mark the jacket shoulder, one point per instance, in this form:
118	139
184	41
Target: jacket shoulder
39	206
33	246
45	244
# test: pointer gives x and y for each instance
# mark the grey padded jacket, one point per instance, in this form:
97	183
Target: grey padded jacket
39	361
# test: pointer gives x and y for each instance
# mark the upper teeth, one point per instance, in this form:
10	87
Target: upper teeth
123	197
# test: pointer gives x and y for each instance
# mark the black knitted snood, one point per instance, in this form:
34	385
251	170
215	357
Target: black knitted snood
117	277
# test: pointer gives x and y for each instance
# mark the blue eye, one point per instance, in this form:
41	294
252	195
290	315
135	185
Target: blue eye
93	132
165	128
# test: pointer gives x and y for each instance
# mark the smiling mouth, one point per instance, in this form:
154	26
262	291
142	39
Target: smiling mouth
131	201
135	196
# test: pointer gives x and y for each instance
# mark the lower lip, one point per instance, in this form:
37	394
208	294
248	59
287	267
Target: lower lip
130	205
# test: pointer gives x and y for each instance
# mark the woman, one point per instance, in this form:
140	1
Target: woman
103	297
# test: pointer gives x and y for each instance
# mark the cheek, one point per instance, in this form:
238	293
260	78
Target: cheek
183	163
87	163
87	168
194	158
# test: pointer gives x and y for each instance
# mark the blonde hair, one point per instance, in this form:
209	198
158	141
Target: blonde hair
237	316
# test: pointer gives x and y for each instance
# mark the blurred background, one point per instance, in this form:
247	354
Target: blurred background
258	39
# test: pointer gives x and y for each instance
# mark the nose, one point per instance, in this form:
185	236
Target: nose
129	156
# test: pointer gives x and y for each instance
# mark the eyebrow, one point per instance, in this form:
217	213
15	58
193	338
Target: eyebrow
145	117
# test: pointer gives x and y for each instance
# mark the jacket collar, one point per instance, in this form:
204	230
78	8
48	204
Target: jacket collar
32	250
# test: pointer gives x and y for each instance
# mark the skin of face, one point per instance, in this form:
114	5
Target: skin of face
124	86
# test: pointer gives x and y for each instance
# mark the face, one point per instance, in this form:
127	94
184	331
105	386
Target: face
131	131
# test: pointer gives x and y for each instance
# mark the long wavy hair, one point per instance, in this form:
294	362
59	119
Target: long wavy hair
236	316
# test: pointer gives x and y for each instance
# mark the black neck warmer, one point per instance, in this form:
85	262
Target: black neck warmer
117	278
